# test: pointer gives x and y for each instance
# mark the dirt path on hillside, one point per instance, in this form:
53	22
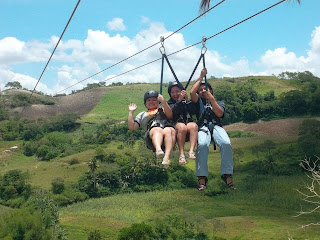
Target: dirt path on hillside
80	103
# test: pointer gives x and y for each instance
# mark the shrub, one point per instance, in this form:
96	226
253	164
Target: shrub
13	185
57	185
138	231
95	235
23	224
73	161
29	149
240	134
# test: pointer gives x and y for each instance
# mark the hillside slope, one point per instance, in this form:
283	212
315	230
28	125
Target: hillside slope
80	103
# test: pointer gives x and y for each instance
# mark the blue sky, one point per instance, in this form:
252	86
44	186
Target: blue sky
101	33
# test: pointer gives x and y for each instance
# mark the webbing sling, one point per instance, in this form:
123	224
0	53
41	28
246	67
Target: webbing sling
163	52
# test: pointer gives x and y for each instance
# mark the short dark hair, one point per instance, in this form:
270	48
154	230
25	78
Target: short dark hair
208	85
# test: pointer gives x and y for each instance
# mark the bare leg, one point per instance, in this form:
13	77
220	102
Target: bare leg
156	135
193	131
168	141
181	137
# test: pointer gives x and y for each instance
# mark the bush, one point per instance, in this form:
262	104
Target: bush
73	161
29	149
13	185
240	134
23	224
138	231
95	235
57	185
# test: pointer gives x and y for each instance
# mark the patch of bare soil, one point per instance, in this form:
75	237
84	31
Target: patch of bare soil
283	127
80	103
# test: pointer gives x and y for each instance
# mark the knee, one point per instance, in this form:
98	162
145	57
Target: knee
181	129
192	127
226	145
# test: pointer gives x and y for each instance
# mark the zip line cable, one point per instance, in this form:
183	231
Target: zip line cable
65	28
144	48
234	25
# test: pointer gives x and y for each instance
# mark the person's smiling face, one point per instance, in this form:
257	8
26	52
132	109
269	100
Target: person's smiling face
152	103
175	93
202	90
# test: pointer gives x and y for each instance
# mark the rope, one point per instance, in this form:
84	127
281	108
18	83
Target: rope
65	28
143	49
244	20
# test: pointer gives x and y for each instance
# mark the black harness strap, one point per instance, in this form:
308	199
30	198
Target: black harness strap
195	68
173	73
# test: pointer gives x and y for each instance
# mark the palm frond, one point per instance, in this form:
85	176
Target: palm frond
204	6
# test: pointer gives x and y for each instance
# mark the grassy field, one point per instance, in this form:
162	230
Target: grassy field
256	210
230	216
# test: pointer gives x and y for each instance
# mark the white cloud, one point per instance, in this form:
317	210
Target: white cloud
25	81
280	60
116	24
76	60
14	51
103	48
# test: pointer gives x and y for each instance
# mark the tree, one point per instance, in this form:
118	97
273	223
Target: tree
309	137
312	195
14	84
138	231
293	102
57	185
13	184
93	166
250	111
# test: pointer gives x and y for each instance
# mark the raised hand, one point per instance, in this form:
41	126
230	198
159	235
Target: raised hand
184	95
132	107
203	73
161	98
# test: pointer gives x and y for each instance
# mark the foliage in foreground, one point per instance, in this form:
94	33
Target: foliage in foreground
171	226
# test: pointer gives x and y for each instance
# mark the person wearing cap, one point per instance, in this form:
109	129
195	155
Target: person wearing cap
183	109
160	133
210	114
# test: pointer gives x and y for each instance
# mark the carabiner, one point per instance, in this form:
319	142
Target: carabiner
204	49
162	47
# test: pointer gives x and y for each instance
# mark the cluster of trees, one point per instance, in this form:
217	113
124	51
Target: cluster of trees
90	86
23	99
37	218
111	173
47	138
243	103
14	189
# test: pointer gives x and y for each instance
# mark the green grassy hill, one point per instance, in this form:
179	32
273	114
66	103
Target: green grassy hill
262	207
114	104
